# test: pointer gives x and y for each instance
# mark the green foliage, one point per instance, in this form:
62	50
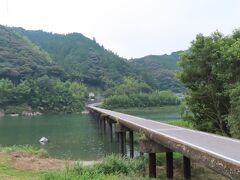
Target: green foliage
57	96
25	69
129	86
158	98
40	73
161	158
6	90
17	109
210	72
111	167
44	94
21	59
28	149
181	123
86	61
83	59
161	69
234	114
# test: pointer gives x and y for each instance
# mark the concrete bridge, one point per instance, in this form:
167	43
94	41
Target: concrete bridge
222	154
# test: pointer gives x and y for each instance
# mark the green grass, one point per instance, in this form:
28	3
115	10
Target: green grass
181	123
161	158
148	109
111	167
25	149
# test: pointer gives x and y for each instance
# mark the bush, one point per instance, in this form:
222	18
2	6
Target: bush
43	94
111	167
181	123
158	98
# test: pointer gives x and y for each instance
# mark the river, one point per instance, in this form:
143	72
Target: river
72	136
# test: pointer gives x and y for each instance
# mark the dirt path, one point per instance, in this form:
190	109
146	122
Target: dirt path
22	161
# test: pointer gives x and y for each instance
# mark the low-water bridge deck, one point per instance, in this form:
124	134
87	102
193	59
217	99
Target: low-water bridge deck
219	153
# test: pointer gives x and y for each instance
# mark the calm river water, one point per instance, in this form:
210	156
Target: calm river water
74	136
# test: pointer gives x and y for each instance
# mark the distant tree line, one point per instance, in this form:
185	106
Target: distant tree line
43	94
134	93
158	98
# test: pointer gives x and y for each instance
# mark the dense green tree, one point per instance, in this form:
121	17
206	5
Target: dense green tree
50	94
210	72
6	92
234	114
44	94
158	98
128	86
159	71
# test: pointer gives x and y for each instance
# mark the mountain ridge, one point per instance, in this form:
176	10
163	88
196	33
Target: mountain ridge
82	59
162	68
20	59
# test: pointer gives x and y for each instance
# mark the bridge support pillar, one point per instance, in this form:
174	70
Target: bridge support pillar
110	131
186	168
103	118
104	124
117	137
100	122
169	165
122	143
131	144
150	147
109	122
121	133
152	165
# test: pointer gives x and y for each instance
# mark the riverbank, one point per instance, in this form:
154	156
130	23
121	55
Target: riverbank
149	109
15	111
26	162
161	114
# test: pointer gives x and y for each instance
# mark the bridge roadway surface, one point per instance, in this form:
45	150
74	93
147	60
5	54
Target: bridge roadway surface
219	153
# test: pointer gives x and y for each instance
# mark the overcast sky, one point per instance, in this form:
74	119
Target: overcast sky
131	28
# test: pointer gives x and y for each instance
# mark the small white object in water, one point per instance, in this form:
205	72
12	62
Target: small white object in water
14	115
43	140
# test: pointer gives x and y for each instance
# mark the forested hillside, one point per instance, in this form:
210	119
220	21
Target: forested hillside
31	81
46	71
162	68
20	59
82	58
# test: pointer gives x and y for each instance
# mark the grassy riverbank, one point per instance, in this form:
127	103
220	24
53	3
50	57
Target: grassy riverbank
162	113
149	109
27	162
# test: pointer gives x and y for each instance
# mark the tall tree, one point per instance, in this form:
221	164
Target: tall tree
210	71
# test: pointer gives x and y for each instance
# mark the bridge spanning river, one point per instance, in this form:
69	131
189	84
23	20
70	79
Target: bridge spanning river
219	153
